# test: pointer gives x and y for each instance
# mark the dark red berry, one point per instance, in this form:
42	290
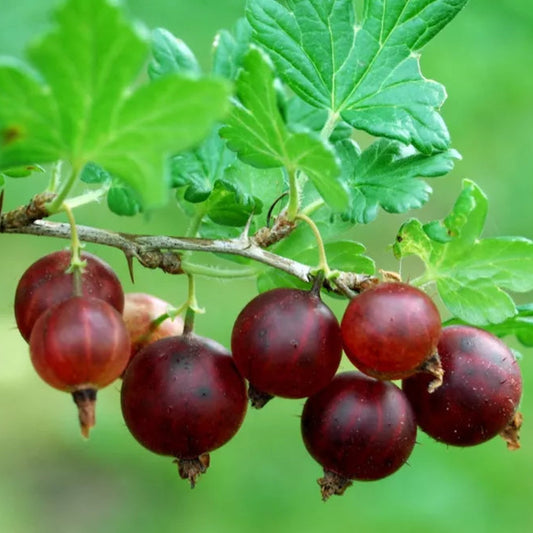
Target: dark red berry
480	392
80	346
141	312
357	428
390	330
183	397
287	343
45	283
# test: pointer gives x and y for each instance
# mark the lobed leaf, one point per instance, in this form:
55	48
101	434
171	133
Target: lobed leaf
368	72
257	132
471	274
87	106
229	49
519	325
384	175
170	55
29	118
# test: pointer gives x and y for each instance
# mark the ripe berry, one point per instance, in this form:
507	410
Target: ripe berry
79	346
183	397
389	331
141	312
357	428
45	283
287	343
480	392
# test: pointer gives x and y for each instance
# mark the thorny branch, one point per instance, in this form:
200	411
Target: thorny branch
160	251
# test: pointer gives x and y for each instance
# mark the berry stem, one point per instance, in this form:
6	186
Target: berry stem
191	306
322	258
76	263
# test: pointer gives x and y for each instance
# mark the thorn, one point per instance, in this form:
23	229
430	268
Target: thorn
129	260
246	231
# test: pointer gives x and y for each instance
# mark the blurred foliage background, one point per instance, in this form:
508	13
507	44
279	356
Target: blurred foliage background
263	480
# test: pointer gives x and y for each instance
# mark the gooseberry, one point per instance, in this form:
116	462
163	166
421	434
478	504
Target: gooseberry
357	428
286	342
183	397
79	346
480	392
390	330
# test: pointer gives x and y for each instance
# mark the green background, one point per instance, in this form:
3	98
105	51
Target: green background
263	480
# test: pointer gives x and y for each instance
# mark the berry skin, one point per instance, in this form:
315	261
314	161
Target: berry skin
357	428
480	392
183	397
45	283
140	310
79	346
287	343
389	331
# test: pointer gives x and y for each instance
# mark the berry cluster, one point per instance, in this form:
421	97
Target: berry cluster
184	395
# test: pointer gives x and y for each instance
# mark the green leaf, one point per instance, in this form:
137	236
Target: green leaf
170	56
299	114
367	72
169	115
93	173
248	191
229	49
22	171
88	60
413	240
122	200
471	273
520	325
342	255
384	175
256	131
29	119
477	301
198	169
88	106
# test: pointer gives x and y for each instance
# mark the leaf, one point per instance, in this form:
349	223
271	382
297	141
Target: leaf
93	173
471	274
342	255
198	169
519	325
367	72
170	56
29	119
154	122
88	60
256	131
229	49
299	114
22	172
248	191
87	106
122	200
384	175
477	301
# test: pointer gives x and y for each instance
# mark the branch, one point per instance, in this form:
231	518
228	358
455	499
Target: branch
159	251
